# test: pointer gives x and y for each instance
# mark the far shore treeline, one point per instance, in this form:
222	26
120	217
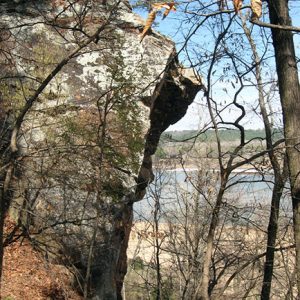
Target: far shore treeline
225	135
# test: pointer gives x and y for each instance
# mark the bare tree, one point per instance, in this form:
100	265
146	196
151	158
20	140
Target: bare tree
280	172
289	89
271	148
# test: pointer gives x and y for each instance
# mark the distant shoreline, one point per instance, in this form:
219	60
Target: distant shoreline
173	166
193	169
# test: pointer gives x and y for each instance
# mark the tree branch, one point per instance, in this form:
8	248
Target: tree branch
275	26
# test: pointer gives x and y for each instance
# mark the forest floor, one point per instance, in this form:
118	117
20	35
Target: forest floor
27	275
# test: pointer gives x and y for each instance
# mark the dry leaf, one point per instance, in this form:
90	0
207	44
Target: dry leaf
149	22
237	5
171	6
151	16
222	4
159	6
256	6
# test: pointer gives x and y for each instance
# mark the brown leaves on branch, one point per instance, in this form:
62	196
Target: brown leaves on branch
171	6
152	15
237	5
256	7
222	4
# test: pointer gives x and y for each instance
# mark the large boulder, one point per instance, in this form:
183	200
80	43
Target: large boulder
85	147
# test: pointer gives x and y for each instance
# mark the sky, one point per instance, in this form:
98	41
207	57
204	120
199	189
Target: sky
197	114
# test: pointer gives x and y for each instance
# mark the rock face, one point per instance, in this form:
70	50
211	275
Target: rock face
85	146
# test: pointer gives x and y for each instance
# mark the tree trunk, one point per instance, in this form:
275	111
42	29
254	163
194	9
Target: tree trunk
2	216
4	201
279	175
271	241
202	289
289	90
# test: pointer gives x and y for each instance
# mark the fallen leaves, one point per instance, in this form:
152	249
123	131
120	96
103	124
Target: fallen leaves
27	275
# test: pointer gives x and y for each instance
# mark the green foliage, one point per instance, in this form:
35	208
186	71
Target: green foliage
167	291
127	112
13	93
105	137
137	264
160	153
16	90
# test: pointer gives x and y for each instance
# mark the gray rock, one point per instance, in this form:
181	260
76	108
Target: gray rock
87	143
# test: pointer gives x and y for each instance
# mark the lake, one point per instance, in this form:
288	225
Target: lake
247	198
